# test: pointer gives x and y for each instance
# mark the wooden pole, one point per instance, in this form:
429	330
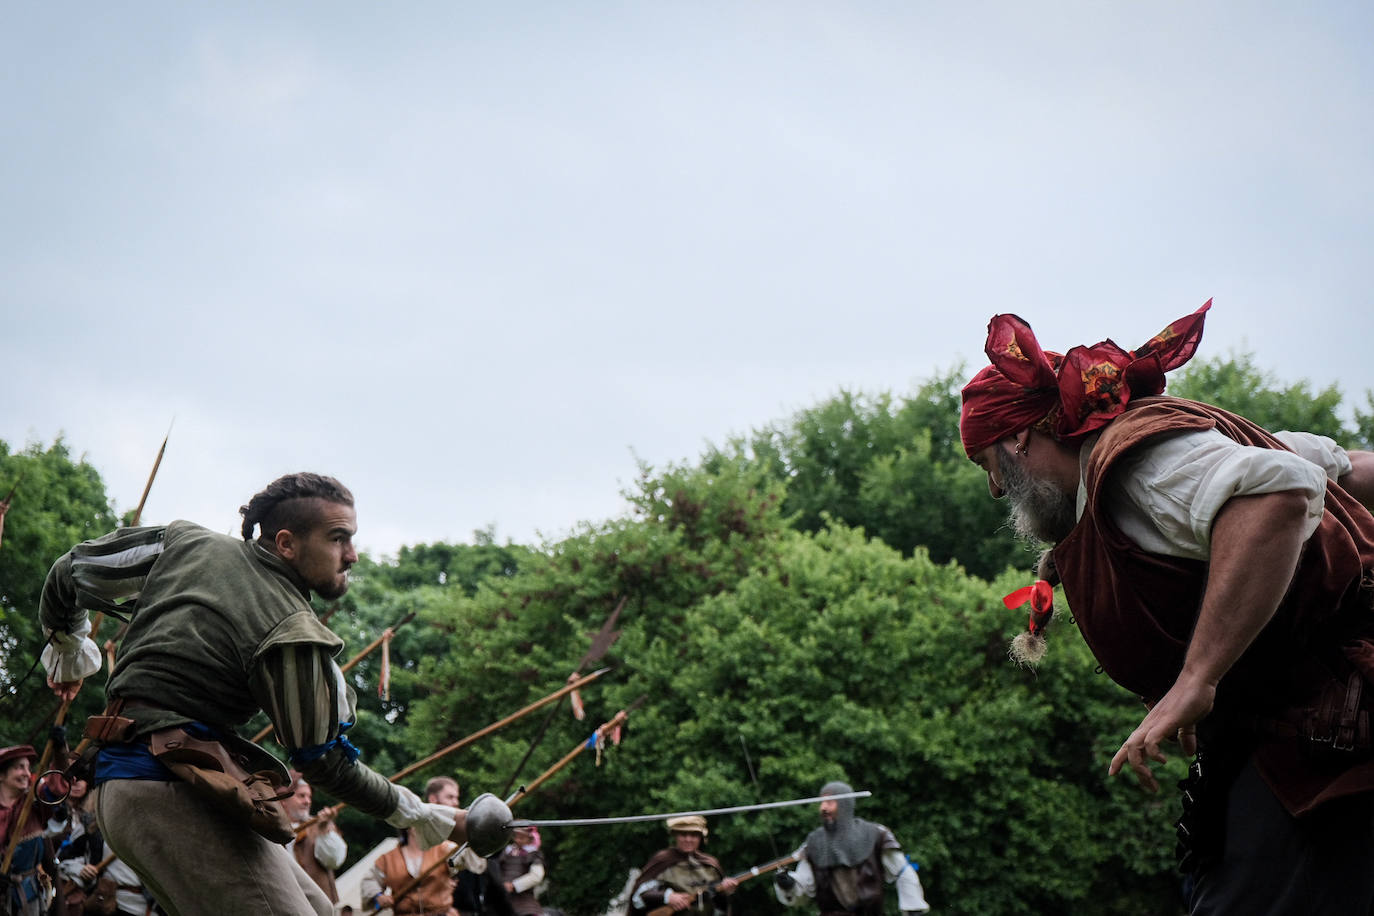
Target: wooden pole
17	829
351	663
741	878
458	745
567	758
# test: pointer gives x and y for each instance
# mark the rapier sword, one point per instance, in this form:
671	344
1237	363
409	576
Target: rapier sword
634	818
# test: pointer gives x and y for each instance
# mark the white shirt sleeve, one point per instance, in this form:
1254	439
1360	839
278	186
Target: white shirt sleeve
529	879
1166	495
805	886
1320	450
910	895
373	883
71	656
330	849
468	860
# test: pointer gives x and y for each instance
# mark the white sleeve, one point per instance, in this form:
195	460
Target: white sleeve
910	895
330	849
1166	495
373	883
1320	450
468	860
432	823
529	879
805	886
71	656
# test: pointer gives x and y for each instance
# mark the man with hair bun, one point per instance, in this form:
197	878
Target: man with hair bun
220	629
1222	573
845	862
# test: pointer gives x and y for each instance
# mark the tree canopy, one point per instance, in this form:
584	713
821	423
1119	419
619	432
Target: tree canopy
57	502
820	598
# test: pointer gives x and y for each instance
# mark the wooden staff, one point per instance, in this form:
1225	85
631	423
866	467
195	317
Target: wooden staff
557	694
148	487
458	745
352	662
738	879
603	641
133	523
17	830
599	735
10	495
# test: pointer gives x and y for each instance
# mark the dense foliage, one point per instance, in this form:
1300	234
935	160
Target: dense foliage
57	502
894	467
820	598
820	655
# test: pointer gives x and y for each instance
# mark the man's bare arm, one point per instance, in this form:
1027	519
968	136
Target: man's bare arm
1256	541
1359	483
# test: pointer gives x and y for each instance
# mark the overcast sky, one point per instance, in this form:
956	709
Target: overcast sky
474	259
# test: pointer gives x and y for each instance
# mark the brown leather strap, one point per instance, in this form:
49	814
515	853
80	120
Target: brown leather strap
1347	730
110	727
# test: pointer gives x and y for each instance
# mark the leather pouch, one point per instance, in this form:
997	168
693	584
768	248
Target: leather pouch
253	799
100	901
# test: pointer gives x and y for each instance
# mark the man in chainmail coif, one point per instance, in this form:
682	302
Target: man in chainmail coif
845	861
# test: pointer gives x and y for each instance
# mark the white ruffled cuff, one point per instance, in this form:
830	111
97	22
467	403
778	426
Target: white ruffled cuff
432	823
71	656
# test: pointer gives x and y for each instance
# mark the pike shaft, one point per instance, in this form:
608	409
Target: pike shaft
636	818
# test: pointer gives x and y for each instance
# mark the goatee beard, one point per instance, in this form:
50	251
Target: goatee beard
1039	510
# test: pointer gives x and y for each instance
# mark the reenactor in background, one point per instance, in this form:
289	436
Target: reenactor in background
682	876
521	867
845	862
399	868
321	848
24	883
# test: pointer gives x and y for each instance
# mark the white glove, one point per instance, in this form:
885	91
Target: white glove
432	823
71	656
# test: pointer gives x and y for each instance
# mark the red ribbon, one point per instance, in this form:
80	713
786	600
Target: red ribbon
1041	598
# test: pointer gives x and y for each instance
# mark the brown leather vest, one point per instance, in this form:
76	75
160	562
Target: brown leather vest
304	850
434	894
1136	610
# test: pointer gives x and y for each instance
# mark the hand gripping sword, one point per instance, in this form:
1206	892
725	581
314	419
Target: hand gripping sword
636	818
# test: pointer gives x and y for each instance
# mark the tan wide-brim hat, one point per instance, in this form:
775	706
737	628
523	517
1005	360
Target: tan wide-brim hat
688	823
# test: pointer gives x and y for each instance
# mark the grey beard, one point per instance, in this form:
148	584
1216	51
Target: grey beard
1039	510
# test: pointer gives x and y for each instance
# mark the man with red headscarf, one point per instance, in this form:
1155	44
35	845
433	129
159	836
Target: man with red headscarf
1222	573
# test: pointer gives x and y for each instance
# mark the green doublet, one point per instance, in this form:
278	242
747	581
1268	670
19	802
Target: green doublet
210	608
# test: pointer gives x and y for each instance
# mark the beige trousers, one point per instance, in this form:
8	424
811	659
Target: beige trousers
197	861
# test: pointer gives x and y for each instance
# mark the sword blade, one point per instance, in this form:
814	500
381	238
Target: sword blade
636	818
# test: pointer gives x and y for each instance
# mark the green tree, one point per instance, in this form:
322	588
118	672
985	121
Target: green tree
1237	384
1364	424
58	503
831	654
895	468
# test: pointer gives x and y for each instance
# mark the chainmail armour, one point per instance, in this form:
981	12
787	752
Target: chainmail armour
847	842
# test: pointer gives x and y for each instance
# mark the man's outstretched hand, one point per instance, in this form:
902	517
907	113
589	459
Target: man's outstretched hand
1173	718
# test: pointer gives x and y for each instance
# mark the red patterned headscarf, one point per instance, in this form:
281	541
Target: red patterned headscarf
1070	395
